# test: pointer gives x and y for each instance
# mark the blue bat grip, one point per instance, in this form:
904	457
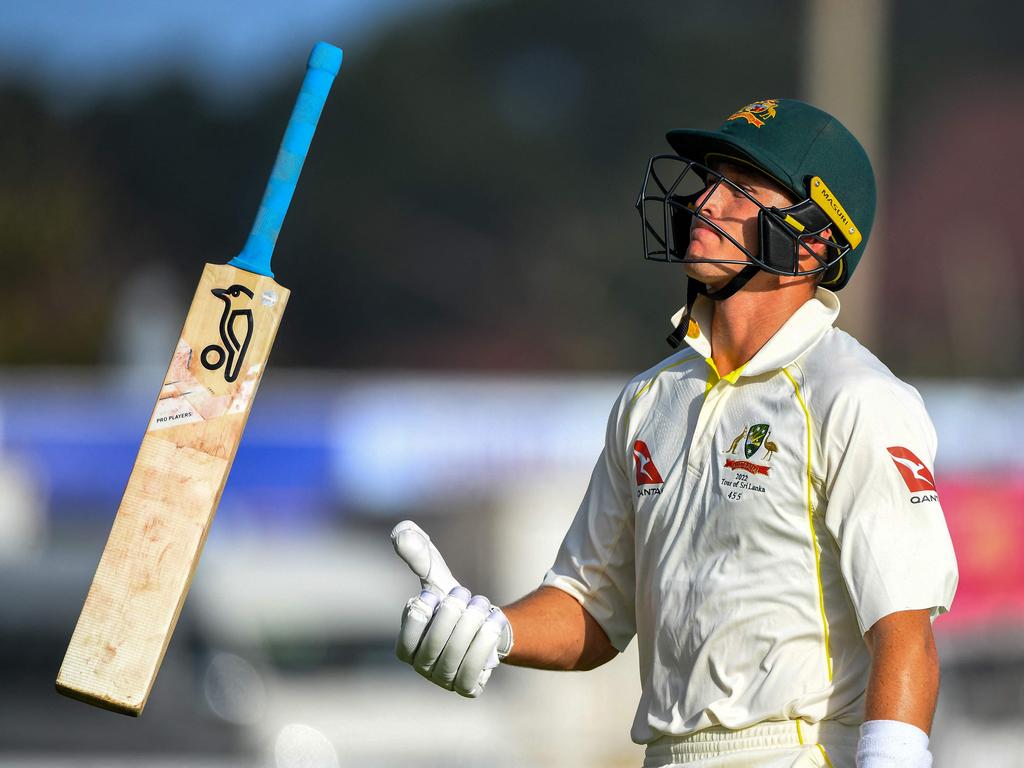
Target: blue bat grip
324	63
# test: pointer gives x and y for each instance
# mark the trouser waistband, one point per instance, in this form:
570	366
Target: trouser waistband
717	740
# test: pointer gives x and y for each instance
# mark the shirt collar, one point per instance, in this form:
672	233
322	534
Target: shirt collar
798	334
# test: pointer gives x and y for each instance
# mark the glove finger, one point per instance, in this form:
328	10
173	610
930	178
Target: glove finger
481	656
415	619
414	546
445	618
479	688
462	635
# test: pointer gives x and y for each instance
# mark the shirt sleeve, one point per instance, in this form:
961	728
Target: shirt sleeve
595	563
882	505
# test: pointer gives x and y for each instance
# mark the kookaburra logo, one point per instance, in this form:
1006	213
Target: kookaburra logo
235	333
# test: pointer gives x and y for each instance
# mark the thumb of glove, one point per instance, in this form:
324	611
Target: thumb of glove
414	546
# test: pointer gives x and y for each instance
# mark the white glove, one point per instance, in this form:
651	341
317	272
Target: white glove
450	637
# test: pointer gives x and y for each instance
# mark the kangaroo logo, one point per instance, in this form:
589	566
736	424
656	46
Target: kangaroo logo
915	474
235	333
736	441
646	472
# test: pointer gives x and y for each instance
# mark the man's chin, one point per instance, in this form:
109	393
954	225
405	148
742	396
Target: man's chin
708	272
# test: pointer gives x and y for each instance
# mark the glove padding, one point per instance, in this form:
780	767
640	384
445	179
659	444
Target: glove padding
449	636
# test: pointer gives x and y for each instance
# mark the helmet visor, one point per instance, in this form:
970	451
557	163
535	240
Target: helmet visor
675	192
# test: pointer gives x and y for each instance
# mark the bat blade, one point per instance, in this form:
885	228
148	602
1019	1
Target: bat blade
158	534
168	506
181	468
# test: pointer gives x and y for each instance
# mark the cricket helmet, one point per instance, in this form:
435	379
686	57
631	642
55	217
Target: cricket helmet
806	151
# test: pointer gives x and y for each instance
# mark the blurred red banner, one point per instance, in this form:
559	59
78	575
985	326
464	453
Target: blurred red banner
985	514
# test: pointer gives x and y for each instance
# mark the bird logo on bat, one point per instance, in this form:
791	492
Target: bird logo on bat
235	333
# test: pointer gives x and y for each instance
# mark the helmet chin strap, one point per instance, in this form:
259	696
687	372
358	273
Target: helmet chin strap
695	288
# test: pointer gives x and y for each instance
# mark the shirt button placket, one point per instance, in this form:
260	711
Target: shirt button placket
707	423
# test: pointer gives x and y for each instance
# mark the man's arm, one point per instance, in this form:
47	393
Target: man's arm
553	631
904	680
902	689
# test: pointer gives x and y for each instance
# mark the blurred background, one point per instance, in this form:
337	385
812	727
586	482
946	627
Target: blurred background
468	297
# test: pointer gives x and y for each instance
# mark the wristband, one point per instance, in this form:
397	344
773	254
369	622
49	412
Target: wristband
892	744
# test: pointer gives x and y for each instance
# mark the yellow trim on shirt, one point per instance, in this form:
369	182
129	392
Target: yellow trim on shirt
825	755
649	384
714	377
810	518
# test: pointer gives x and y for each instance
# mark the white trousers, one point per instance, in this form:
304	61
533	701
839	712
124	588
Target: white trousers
788	744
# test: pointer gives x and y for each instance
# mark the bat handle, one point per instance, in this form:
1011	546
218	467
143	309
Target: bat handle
324	63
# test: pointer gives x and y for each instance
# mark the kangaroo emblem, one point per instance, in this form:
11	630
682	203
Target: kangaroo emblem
736	442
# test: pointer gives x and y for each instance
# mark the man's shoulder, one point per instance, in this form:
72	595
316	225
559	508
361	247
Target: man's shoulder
647	386
839	369
679	362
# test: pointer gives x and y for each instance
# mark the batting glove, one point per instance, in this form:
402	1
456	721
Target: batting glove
448	635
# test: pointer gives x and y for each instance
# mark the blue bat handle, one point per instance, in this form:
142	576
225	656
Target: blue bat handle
324	63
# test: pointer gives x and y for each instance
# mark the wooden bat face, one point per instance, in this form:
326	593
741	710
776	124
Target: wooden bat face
223	350
186	454
173	491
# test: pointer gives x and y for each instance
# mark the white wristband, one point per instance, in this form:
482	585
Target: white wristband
892	744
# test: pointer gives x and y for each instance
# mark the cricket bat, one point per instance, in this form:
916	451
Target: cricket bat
168	506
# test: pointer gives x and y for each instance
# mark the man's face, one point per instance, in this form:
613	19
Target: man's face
735	214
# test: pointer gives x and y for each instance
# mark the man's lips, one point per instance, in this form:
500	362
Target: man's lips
702	228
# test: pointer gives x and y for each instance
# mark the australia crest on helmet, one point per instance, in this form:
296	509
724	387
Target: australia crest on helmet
757	113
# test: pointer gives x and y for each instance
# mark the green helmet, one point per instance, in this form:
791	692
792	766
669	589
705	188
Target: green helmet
805	150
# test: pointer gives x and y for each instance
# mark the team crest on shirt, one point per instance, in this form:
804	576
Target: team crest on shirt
752	442
757	113
648	478
756	435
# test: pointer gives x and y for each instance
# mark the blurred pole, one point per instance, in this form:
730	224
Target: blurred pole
846	65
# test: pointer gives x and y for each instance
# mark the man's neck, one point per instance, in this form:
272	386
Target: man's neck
744	322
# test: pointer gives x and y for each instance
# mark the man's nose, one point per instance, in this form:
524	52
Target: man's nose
709	200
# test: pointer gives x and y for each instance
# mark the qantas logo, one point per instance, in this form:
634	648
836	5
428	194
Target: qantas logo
646	472
913	471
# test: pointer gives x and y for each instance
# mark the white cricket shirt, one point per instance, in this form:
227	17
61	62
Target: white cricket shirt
749	529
